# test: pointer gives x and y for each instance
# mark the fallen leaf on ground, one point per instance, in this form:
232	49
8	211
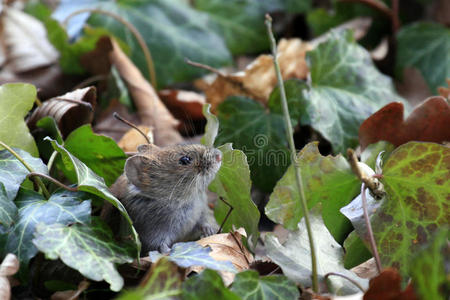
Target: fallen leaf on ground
184	105
387	286
428	122
67	110
227	247
9	267
258	79
24	42
445	91
71	294
132	138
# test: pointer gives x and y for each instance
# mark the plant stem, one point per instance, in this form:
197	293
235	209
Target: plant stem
373	245
346	277
132	29
71	189
287	119
37	180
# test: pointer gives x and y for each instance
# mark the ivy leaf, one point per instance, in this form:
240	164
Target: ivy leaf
248	285
192	254
62	208
90	182
171	29
356	251
344	90
100	153
90	249
204	285
16	99
211	128
425	46
8	210
428	269
259	134
416	181
164	282
13	172
232	182
295	260
326	179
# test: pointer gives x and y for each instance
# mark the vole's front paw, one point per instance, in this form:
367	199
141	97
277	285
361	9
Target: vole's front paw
208	229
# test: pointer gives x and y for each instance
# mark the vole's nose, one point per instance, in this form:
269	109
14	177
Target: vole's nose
218	157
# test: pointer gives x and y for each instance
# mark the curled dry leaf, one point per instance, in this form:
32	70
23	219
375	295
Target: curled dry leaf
258	79
227	247
150	108
24	42
132	139
387	286
428	122
70	110
184	105
9	267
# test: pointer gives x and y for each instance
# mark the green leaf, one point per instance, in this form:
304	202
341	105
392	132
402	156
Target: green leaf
249	286
326	179
16	99
90	182
49	124
416	182
293	88
425	46
204	285
8	210
171	29
355	251
164	283
100	153
62	208
232	182
88	248
429	269
192	254
259	134
294	256
370	154
13	172
211	128
344	90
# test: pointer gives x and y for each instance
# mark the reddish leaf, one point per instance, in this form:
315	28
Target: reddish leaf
387	286
428	122
184	105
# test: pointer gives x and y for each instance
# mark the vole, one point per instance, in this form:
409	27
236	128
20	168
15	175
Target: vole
164	192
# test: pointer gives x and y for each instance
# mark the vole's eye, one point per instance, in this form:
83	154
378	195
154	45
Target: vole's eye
185	160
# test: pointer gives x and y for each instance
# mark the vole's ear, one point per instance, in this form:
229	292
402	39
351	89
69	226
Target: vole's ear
135	170
145	148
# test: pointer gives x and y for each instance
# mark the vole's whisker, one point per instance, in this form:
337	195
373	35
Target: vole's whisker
174	187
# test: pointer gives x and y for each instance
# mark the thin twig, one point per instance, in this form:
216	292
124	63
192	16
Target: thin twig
274	271
38	102
202	66
89	81
394	17
79	102
373	245
38	181
371	182
228	214
32	174
118	117
132	29
346	277
287	119
51	160
380	6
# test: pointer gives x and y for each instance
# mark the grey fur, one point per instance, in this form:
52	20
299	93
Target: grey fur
165	199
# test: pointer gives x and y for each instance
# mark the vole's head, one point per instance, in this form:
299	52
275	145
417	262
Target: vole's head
172	172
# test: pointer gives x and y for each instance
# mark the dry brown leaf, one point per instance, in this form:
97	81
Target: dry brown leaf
132	139
151	110
227	247
67	110
258	79
445	91
71	294
367	269
9	267
25	42
184	105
